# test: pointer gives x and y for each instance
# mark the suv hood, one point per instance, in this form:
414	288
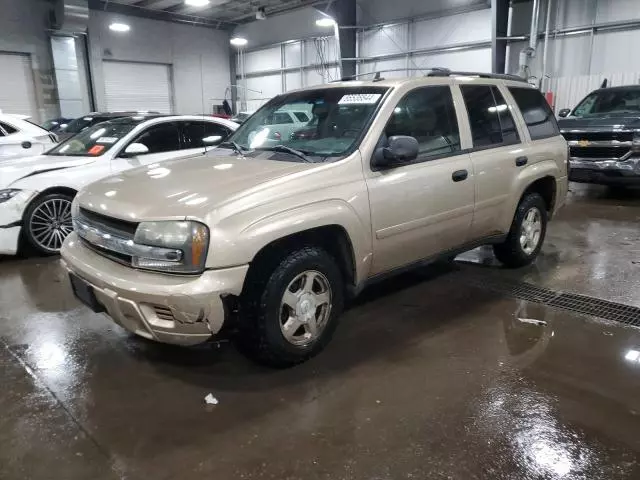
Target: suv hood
189	187
17	168
609	121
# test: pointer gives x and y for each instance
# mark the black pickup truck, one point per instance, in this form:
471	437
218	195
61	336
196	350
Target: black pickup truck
603	133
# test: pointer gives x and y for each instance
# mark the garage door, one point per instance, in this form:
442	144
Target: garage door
137	86
17	89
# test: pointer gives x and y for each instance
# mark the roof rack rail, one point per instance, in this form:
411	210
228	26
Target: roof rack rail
445	72
376	73
434	72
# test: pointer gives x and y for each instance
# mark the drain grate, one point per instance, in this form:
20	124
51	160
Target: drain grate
573	302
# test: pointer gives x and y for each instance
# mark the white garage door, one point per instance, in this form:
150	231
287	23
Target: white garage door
137	86
17	90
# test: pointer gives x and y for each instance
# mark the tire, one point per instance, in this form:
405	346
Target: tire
271	330
47	222
515	251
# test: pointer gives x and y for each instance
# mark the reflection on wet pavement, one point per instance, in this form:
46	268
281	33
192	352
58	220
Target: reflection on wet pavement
427	377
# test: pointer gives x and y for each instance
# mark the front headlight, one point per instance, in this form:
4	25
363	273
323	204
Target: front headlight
8	194
183	246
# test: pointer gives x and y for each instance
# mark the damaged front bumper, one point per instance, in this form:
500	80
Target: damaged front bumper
181	310
11	215
605	171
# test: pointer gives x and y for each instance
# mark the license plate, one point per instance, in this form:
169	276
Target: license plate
84	292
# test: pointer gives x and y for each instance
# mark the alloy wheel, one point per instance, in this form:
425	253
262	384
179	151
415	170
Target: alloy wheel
305	307
50	224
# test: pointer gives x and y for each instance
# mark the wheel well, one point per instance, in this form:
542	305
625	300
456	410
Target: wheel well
546	188
63	190
333	238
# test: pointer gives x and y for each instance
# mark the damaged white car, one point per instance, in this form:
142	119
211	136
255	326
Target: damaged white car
36	192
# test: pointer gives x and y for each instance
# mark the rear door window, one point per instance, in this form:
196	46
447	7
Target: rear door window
536	112
490	120
160	138
194	134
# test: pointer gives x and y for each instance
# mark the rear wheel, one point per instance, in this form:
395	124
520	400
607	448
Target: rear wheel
289	313
47	222
527	233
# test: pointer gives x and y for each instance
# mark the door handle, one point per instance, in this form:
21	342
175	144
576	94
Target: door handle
521	161
459	175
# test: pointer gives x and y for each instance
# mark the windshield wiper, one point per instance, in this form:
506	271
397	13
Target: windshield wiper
234	146
285	149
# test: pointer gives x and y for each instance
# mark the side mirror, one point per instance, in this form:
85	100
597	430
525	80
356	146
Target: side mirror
212	140
564	112
135	149
401	149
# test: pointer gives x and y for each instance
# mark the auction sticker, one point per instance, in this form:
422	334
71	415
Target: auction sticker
108	140
360	99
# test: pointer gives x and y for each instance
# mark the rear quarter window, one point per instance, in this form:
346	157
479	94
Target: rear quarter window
536	112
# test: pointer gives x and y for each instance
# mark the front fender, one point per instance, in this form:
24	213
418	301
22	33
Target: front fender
240	248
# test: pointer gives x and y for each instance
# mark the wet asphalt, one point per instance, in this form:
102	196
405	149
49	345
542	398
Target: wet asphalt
429	376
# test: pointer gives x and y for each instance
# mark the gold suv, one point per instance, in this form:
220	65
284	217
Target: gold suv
269	233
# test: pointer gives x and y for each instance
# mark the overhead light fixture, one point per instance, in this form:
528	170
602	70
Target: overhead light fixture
196	3
325	22
119	27
239	41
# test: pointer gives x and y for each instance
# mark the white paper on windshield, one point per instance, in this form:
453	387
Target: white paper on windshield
108	140
360	99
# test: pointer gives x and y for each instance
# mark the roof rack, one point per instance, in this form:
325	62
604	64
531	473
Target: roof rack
434	72
445	72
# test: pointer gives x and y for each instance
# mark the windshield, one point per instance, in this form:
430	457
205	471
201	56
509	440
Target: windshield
318	123
609	101
94	141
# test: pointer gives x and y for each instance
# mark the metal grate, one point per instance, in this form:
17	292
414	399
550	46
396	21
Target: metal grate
583	304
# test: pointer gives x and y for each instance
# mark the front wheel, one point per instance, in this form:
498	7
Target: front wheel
288	314
527	233
47	222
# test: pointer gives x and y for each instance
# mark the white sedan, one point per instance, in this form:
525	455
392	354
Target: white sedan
36	192
20	138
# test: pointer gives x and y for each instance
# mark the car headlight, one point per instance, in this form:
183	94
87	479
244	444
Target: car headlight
75	208
8	194
181	247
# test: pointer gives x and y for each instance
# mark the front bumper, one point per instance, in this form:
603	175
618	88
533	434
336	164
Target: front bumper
606	171
181	310
11	214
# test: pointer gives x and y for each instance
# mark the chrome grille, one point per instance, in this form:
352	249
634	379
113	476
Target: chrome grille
619	136
599	152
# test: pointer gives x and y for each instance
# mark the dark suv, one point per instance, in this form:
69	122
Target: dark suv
89	120
603	133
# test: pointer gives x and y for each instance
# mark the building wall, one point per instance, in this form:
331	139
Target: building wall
199	57
23	26
456	41
579	62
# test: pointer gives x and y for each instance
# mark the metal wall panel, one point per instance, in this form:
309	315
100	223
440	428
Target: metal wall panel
461	28
476	60
266	59
384	40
